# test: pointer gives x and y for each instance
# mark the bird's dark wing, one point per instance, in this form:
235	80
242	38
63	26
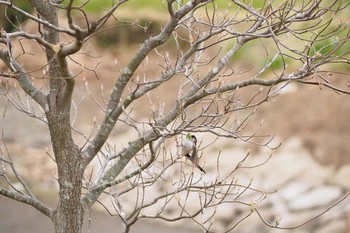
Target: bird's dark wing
194	156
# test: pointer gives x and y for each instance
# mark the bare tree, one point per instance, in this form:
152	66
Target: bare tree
308	34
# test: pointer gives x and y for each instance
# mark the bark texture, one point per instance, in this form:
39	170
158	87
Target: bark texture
68	216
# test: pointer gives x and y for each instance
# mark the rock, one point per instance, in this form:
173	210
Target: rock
334	226
294	190
316	197
342	176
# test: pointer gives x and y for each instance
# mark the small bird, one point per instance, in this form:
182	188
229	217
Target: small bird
190	145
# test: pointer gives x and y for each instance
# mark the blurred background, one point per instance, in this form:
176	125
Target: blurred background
311	169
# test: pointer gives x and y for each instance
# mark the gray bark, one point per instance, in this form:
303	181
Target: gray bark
68	216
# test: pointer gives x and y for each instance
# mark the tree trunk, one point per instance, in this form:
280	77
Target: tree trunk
68	217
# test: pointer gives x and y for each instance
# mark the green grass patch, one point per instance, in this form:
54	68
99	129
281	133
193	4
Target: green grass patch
96	6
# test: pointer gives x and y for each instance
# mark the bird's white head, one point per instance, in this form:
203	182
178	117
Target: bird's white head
191	138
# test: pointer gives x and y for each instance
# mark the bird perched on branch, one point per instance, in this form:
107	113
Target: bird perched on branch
189	145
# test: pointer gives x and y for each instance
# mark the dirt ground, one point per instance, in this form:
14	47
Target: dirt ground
16	217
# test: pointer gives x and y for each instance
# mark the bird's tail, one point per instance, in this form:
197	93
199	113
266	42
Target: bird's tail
199	167
202	170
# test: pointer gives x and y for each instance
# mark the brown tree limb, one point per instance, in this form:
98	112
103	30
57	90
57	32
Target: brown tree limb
27	200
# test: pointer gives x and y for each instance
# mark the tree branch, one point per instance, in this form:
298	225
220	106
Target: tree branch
127	73
22	78
27	200
37	4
